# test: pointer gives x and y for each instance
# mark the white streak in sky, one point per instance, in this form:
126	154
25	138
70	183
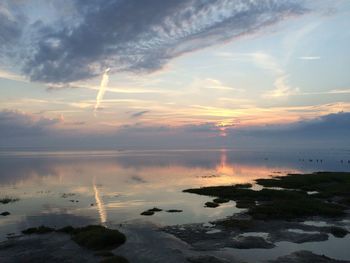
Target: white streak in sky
102	90
100	205
309	58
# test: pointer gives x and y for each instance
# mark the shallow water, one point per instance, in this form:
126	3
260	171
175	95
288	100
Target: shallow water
112	187
336	248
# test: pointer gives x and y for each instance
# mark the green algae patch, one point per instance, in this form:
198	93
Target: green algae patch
291	200
38	230
94	237
326	184
97	237
114	259
245	203
6	200
241	224
104	253
295	208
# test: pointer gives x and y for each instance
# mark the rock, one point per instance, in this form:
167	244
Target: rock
174	211
305	257
155	209
243	242
211	204
221	200
147	213
151	212
298	237
206	259
5	213
338	231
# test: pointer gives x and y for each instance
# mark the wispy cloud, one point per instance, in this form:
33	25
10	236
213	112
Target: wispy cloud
102	90
282	88
139	113
217	84
5	74
139	36
309	58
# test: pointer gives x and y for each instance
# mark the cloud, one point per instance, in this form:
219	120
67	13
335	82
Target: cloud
102	90
5	74
17	124
22	130
214	84
282	89
139	113
11	24
309	58
141	36
326	127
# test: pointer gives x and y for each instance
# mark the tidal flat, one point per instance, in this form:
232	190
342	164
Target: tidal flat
267	208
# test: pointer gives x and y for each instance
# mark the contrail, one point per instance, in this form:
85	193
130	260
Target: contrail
102	90
100	205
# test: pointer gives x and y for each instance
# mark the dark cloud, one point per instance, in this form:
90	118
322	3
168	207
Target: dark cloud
21	130
142	36
323	132
18	124
139	113
138	179
11	25
327	125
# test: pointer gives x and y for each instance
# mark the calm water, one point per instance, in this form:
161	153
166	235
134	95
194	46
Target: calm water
121	185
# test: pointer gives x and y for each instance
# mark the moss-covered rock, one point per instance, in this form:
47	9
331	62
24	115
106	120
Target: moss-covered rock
114	259
38	230
292	201
97	237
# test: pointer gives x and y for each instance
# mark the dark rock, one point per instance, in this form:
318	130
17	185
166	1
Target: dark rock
206	259
242	242
147	213
338	231
155	209
5	213
305	257
221	200
211	204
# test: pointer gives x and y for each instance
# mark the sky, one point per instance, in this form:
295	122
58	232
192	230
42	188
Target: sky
186	73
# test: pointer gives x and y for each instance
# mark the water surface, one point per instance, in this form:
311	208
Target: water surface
111	187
